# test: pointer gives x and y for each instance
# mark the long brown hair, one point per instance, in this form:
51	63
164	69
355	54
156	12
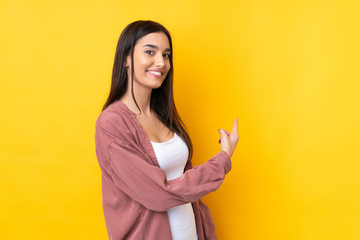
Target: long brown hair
162	98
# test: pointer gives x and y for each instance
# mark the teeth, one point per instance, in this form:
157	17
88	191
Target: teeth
156	73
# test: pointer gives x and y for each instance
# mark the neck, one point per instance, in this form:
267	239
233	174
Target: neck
142	96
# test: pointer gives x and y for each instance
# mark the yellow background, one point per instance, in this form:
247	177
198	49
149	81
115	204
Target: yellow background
289	70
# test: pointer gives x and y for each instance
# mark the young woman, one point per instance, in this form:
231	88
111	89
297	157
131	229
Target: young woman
150	189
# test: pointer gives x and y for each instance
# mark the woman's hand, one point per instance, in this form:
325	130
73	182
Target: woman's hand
229	140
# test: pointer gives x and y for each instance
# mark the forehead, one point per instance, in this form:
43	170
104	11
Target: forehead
157	38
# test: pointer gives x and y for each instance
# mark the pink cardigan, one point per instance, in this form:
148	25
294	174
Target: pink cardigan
135	192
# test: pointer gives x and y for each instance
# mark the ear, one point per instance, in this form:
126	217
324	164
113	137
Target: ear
127	61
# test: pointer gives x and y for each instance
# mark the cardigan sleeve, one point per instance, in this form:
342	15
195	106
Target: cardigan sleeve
147	184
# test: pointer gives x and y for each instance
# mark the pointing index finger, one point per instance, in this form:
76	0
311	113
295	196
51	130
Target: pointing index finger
235	127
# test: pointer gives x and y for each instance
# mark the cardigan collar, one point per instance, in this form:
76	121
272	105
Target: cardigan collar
145	140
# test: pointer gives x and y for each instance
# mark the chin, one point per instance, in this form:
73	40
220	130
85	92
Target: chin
156	86
152	83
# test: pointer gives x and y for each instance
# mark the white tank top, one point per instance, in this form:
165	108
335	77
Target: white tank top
172	157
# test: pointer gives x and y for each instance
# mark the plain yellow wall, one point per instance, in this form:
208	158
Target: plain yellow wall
289	70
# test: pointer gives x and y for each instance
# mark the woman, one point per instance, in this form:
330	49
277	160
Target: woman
150	190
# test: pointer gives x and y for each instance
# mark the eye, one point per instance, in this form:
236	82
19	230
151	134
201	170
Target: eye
149	52
166	55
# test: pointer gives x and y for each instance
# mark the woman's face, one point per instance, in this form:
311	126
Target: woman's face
151	60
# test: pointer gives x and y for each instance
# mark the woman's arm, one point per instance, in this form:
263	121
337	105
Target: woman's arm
147	184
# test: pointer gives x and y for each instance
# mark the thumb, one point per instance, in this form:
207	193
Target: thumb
222	132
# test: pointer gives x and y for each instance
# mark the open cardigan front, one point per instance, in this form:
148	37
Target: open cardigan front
135	192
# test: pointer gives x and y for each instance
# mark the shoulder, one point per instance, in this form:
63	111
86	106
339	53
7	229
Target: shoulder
116	121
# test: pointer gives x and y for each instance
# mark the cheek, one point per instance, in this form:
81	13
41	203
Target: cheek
139	67
145	64
140	62
168	65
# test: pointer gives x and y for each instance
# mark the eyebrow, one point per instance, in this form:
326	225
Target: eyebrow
156	47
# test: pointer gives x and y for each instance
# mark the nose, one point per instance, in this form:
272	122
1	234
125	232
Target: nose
159	60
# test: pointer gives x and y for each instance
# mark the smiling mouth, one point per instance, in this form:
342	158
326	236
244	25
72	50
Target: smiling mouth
156	73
